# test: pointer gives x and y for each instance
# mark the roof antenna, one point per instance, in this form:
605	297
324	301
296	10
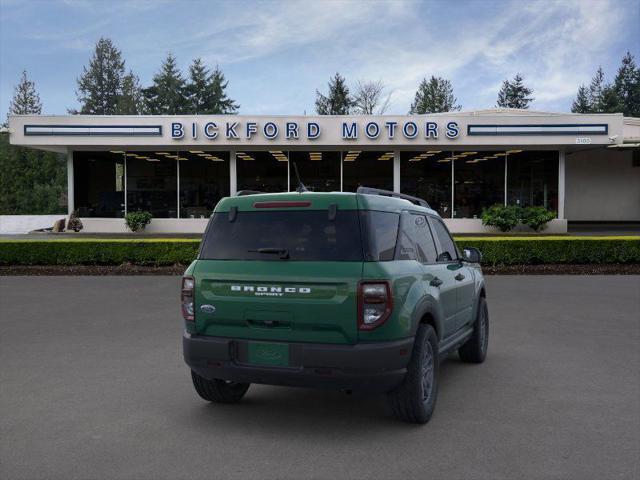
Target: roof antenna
301	188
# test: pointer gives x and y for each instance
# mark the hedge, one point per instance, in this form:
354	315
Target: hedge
98	252
495	250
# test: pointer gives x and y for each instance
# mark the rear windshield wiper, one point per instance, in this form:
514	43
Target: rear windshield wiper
283	252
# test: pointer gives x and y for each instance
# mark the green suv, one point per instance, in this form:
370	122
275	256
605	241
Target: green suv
357	291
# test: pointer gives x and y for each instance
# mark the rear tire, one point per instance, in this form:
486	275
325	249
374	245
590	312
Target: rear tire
415	399
474	350
219	391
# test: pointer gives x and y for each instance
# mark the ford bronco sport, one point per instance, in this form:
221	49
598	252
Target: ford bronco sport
361	291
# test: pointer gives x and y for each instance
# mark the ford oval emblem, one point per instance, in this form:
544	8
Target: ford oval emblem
208	308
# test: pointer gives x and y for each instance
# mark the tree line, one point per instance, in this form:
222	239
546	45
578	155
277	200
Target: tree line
33	181
106	88
435	95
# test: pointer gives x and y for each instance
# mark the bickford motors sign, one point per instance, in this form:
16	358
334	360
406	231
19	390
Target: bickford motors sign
294	130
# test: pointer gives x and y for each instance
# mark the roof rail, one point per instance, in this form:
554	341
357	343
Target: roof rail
244	193
389	193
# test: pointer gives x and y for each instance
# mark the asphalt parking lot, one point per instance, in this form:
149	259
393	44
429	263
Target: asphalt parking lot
92	385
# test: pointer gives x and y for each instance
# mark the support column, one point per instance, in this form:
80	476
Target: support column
177	188
506	170
561	177
453	184
233	177
70	184
396	171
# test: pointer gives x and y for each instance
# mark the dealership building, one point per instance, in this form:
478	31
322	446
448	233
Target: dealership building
586	168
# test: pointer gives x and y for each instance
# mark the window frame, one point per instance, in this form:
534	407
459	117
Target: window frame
439	248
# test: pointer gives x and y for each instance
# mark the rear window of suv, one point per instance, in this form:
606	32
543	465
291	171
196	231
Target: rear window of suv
306	235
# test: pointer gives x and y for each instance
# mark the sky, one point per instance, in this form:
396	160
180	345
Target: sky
275	54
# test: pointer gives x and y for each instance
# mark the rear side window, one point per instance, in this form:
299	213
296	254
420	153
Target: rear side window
306	235
416	242
447	251
380	231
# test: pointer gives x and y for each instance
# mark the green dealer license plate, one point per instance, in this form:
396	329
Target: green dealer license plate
271	354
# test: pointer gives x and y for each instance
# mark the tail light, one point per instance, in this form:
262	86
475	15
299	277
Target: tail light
374	304
188	289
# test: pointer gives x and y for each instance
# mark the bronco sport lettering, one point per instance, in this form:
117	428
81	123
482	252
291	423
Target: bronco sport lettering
387	295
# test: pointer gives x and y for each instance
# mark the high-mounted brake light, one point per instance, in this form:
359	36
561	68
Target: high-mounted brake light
375	304
281	204
186	297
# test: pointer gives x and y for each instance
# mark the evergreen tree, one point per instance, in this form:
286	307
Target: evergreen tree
196	89
25	99
218	100
31	181
338	101
433	96
514	94
581	104
167	95
596	91
100	85
206	91
130	101
627	86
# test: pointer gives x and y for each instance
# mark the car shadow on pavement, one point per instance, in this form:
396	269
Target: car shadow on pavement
292	411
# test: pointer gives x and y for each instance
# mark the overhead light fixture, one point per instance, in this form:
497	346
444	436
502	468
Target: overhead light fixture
500	154
116	151
131	154
141	157
162	153
196	151
152	160
514	151
444	160
434	151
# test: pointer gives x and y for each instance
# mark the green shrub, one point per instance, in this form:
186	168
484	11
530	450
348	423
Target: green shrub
137	220
562	250
495	251
504	218
507	217
537	217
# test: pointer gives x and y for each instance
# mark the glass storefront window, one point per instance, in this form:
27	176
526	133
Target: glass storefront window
368	169
478	182
319	171
204	180
427	175
262	171
99	184
152	183
532	179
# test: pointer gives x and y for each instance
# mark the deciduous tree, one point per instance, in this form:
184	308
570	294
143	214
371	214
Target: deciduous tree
371	98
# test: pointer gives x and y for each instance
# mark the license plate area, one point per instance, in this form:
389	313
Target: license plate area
268	354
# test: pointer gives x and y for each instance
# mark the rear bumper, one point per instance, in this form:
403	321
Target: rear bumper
370	367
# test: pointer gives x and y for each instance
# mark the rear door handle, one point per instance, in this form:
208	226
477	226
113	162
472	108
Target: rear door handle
436	282
459	277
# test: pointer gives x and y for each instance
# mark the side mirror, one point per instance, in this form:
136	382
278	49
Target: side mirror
471	255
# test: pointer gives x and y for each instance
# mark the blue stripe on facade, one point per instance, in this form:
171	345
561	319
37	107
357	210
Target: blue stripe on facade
157	133
569	130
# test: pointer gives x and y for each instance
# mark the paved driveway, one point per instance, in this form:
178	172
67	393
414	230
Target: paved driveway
92	385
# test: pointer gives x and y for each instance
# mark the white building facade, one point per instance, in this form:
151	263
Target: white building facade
584	167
